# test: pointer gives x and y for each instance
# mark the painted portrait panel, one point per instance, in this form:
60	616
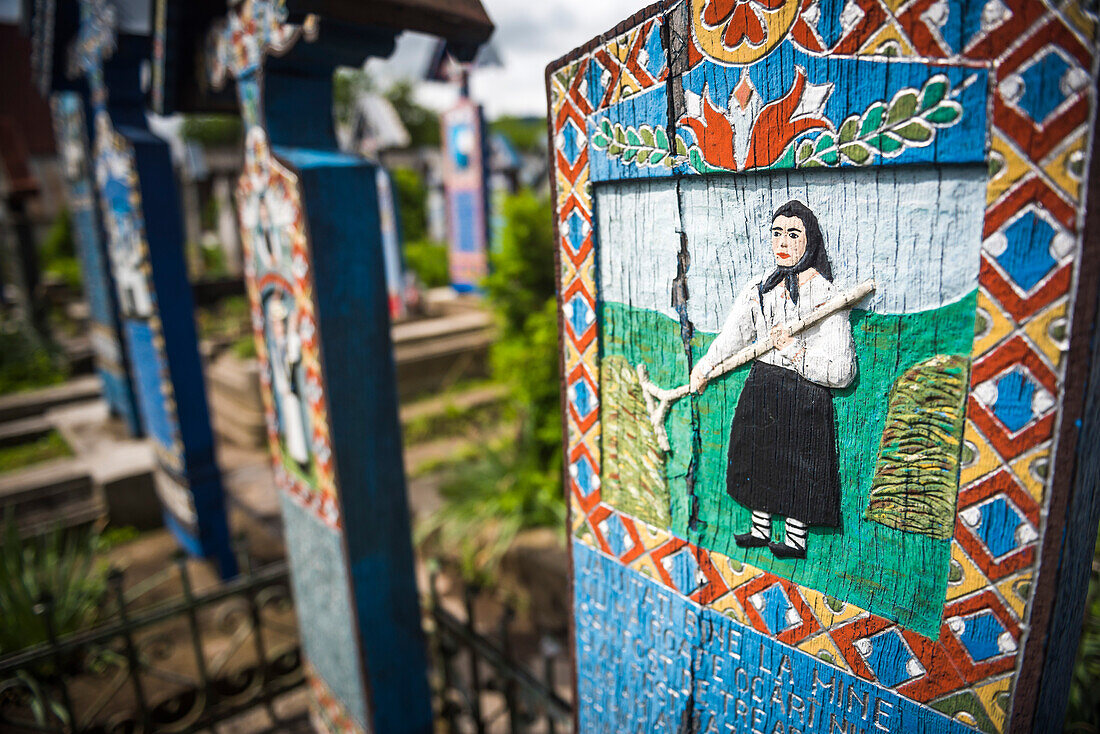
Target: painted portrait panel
837	441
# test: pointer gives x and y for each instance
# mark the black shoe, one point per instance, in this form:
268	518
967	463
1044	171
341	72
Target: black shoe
748	540
782	550
697	525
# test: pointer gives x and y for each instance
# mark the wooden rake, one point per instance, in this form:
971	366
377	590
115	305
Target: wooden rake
658	401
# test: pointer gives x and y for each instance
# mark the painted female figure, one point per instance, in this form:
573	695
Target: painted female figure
782	450
285	354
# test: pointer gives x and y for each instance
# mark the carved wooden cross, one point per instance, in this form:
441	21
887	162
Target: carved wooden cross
320	316
136	187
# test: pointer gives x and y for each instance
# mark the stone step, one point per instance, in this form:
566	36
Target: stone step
461	401
430	354
36	402
121	468
449	325
58	493
23	430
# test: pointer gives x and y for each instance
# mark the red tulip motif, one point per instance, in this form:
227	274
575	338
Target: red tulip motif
776	126
742	19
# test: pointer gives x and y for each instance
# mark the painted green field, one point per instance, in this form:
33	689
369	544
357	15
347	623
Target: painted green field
896	574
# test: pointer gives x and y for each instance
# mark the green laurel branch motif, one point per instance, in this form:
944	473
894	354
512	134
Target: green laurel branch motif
909	120
645	145
886	129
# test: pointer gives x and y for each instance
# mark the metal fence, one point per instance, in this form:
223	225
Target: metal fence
175	666
201	658
479	684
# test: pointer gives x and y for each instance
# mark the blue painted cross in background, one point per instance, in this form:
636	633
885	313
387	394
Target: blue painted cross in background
108	341
137	189
315	272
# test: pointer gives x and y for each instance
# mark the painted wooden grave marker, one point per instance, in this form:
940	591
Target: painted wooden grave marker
465	185
826	315
112	359
136	188
314	245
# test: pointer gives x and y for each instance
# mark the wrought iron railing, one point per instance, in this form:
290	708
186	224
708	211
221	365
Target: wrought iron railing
203	657
479	684
175	666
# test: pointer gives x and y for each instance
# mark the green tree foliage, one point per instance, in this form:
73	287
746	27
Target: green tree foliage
422	123
212	130
347	84
528	134
516	484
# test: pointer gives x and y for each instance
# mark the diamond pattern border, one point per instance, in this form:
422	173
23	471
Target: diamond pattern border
1039	164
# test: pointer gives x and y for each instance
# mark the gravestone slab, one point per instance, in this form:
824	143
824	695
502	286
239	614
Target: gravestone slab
826	316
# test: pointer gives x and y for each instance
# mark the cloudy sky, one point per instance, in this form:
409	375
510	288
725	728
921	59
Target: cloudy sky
529	34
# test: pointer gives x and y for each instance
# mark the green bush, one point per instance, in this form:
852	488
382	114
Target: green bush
412	202
517	484
428	259
212	129
60	564
26	362
58	251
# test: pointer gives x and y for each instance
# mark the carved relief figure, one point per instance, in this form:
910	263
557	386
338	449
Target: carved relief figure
782	448
284	349
268	214
114	174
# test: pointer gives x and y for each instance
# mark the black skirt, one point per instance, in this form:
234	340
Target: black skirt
782	454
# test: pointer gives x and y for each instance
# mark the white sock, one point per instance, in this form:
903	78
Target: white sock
795	534
761	525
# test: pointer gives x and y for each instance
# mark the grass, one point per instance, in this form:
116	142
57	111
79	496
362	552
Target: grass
60	565
452	421
229	318
244	347
50	446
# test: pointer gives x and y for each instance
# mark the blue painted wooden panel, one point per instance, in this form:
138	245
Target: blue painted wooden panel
141	214
108	342
651	660
340	201
465	182
314	244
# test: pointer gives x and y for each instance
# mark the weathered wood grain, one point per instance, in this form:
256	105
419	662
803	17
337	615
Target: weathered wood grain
916	143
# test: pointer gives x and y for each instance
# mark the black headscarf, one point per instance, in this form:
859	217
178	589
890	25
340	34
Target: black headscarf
814	257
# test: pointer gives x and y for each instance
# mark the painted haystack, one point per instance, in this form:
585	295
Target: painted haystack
634	466
916	480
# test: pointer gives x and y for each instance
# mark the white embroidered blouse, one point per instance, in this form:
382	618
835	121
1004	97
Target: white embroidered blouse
824	353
